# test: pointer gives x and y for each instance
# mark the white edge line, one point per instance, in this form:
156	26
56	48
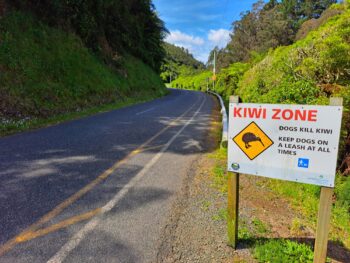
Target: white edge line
139	113
90	226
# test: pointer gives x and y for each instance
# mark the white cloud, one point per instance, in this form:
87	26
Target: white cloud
181	39
219	37
199	46
194	44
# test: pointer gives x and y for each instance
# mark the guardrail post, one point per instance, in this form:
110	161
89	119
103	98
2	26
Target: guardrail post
224	137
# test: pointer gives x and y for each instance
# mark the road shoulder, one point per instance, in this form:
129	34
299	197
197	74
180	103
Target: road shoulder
196	229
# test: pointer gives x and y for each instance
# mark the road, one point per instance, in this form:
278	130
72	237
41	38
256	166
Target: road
99	189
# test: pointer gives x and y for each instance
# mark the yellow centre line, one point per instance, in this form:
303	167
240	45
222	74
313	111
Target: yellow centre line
67	222
63	224
31	230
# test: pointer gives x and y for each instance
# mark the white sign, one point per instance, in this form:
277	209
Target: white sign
289	142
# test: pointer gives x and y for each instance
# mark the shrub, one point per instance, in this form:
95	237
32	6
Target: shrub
343	191
283	251
45	71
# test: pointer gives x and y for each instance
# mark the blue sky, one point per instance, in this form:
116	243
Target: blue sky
200	25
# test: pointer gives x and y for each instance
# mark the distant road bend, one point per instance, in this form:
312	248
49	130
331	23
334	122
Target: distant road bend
99	189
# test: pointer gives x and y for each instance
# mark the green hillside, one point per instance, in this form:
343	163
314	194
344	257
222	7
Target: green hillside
309	71
48	70
178	62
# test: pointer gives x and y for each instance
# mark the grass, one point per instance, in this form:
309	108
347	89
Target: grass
260	227
296	227
281	251
48	76
244	234
205	205
8	127
305	198
251	234
283	86
219	178
221	215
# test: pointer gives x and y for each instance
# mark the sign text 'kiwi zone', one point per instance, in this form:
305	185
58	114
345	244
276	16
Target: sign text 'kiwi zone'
289	142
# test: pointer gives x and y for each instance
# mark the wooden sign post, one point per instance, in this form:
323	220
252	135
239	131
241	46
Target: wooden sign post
297	143
324	216
324	212
233	201
233	213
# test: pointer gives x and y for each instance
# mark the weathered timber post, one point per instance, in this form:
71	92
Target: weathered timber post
233	201
324	212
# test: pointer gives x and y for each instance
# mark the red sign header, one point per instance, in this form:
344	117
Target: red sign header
306	115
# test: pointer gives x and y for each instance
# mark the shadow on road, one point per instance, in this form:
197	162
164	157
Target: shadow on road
39	170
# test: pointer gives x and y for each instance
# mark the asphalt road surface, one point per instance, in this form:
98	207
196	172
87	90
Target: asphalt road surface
99	189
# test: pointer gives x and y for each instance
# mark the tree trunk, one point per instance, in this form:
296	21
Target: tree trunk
3	8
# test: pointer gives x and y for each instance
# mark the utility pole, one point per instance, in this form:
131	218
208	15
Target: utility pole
207	84
214	70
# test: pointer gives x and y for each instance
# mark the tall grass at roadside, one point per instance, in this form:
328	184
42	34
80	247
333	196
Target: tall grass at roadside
305	198
48	75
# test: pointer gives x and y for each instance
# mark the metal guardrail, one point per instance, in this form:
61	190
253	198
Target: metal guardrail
224	137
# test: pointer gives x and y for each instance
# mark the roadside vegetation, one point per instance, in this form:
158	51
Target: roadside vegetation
283	251
254	233
306	60
178	62
63	60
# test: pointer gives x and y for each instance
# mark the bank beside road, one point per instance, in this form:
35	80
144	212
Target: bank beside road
99	188
277	219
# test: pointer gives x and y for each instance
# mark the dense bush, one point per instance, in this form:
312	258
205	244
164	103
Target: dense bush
192	79
270	24
112	27
229	78
307	72
310	71
45	71
343	191
314	24
177	61
226	83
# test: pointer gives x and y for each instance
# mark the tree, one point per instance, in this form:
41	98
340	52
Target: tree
243	38
269	25
270	5
273	30
178	60
259	30
298	11
314	9
107	27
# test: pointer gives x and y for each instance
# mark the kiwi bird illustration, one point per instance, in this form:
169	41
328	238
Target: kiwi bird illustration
250	137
